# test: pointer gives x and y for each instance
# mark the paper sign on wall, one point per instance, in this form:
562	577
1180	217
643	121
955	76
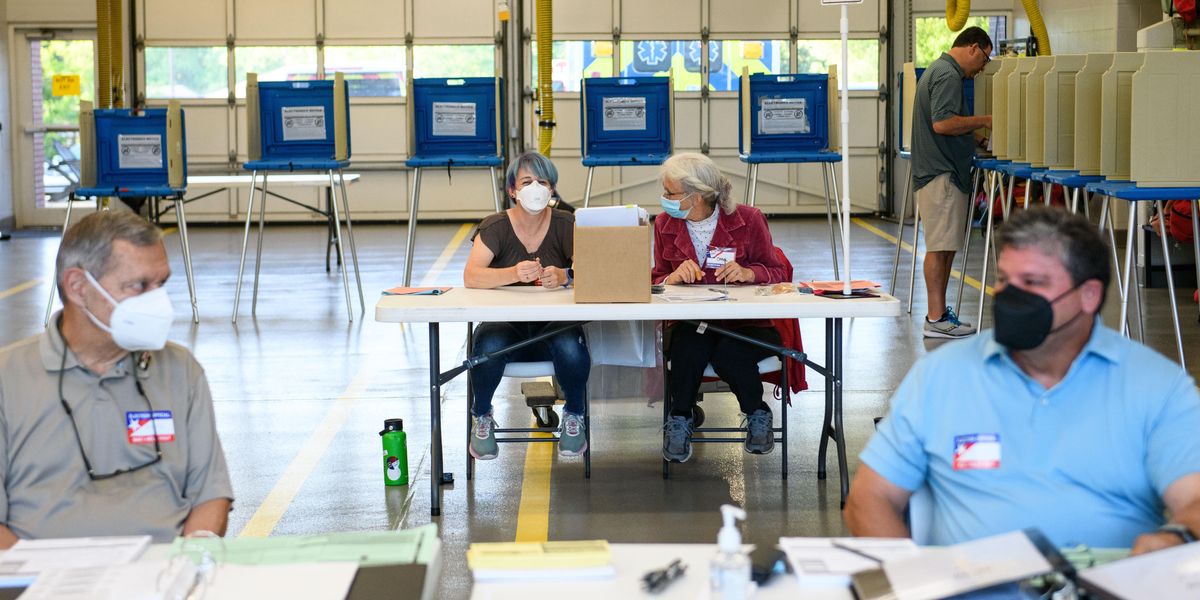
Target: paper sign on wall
303	123
454	118
139	151
783	115
65	85
624	114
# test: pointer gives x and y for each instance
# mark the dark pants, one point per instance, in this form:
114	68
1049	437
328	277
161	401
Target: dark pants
568	350
734	361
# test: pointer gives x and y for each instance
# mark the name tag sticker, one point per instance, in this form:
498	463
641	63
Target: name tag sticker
719	256
977	451
142	426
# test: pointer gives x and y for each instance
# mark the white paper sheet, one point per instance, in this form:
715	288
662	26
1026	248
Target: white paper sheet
624	114
1170	573
941	572
829	562
139	151
311	581
303	123
35	556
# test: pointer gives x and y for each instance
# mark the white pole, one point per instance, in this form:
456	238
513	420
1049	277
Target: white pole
845	105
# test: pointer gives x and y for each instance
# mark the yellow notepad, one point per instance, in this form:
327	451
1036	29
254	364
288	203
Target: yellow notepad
539	555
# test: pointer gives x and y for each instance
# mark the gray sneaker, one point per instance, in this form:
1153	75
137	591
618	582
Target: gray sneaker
572	437
759	437
483	438
948	326
677	439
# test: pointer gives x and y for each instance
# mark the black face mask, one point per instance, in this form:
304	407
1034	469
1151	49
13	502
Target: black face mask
1023	320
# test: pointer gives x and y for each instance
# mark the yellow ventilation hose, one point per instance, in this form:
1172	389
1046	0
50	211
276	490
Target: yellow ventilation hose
116	39
957	12
545	48
103	62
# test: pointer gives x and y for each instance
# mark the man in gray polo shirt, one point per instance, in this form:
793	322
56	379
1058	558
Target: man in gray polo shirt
106	429
943	145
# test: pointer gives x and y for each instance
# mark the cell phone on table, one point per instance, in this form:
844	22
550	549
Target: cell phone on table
766	561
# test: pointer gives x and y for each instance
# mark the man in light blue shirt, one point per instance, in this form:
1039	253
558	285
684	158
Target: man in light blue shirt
1049	420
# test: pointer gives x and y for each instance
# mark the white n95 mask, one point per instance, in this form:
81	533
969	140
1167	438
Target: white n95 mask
137	323
534	197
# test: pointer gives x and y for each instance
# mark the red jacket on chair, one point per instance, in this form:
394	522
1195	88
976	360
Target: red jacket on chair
789	334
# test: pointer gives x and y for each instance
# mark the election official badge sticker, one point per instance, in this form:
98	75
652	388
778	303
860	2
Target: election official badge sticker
977	451
144	427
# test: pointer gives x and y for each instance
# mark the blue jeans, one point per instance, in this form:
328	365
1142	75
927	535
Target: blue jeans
568	350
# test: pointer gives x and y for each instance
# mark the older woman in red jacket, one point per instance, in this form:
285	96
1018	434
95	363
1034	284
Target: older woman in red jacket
703	236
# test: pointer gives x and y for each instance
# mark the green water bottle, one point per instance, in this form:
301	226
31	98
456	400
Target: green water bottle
395	452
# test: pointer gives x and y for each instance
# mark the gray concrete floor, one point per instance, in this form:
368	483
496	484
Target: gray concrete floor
301	393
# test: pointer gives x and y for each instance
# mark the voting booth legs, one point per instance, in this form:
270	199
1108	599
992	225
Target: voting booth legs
180	218
336	185
414	207
827	176
977	177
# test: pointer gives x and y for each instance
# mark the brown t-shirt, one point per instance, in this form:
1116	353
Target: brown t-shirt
556	250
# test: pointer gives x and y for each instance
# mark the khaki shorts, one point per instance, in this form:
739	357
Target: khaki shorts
943	214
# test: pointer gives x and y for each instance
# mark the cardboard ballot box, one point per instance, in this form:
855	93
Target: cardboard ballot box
612	264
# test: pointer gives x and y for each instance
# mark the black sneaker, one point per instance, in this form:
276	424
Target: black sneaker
677	439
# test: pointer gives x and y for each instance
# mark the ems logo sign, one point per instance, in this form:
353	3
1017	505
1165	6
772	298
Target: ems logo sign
977	451
141	426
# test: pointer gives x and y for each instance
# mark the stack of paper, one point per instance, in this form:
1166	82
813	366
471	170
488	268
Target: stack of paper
521	561
679	293
829	562
942	572
30	557
1170	573
856	285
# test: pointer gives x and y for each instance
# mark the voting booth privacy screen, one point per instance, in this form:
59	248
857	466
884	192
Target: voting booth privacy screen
786	113
299	120
626	120
142	153
456	118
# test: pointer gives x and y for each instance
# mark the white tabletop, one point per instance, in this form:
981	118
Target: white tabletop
632	561
294	179
532	303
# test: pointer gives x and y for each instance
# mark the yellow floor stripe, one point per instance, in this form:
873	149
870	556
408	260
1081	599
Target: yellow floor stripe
533	516
281	496
439	265
277	502
17	289
971	281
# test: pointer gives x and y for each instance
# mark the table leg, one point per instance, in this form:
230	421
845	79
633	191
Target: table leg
337	230
329	224
1012	183
1129	244
436	475
1074	200
838	427
837	204
496	190
753	183
745	190
828	215
827	419
587	188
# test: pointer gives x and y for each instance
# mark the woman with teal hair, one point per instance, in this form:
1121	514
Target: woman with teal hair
527	244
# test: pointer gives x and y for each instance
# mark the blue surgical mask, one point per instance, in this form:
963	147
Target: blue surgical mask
672	208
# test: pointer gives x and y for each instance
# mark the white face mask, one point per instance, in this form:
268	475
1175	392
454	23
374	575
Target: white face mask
534	197
137	323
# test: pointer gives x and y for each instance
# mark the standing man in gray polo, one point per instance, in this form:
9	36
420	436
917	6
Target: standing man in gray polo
943	145
105	428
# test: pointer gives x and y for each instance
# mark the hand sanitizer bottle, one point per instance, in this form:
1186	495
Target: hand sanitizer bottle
730	569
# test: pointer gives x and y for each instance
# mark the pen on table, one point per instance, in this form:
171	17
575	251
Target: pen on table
853	550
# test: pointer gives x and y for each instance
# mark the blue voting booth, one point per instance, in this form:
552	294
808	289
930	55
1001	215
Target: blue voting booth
786	119
134	156
298	126
625	121
453	123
